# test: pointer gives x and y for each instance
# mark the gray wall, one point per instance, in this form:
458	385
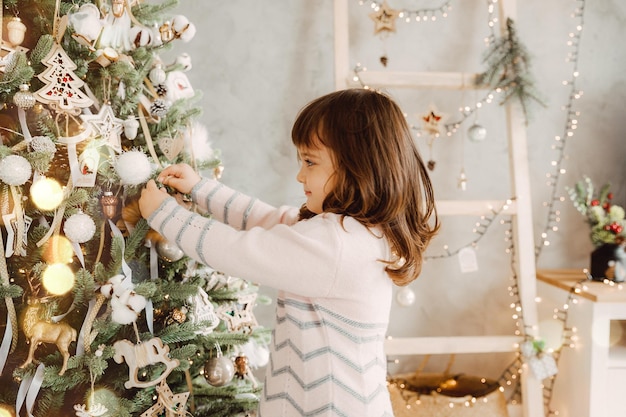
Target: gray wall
258	62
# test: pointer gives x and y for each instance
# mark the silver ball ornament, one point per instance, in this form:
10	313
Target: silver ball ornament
219	371
168	251
24	99
477	132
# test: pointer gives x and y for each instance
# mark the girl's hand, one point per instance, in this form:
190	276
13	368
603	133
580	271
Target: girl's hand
151	198
181	177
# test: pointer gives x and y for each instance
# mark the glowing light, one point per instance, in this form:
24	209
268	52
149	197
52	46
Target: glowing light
6	412
58	250
47	194
58	279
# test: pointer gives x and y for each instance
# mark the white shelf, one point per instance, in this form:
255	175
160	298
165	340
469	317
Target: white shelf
451	345
474	207
416	80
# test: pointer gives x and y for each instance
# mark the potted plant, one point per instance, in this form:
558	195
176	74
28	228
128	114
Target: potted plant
606	220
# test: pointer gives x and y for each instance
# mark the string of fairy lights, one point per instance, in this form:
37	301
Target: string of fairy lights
553	176
571	123
424	14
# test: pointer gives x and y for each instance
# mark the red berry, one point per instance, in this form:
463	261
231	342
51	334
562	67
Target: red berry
595	202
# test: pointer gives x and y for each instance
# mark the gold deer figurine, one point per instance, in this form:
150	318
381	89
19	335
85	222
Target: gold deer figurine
39	331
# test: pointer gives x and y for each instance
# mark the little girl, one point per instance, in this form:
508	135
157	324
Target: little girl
368	217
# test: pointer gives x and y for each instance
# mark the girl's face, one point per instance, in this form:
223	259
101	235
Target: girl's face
316	175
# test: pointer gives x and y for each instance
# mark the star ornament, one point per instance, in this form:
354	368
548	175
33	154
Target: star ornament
168	404
384	19
106	125
433	120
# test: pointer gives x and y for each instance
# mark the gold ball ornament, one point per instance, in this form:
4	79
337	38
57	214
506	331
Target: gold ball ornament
219	371
16	30
47	194
24	99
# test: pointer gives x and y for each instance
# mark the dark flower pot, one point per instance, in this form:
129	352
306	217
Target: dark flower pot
609	262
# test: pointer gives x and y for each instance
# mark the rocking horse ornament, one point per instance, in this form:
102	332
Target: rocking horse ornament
143	354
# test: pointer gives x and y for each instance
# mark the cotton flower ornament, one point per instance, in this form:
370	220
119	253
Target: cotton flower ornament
605	219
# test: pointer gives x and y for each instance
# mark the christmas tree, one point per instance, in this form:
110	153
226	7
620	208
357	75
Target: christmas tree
102	316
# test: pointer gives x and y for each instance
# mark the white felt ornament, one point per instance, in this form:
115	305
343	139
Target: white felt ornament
79	228
86	23
133	167
197	142
15	170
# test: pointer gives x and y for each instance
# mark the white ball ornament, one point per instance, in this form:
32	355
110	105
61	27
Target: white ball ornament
15	170
79	228
405	297
157	74
477	132
133	167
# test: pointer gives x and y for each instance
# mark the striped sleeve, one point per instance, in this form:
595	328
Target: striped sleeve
239	210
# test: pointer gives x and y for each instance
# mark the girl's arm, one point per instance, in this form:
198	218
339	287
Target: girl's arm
303	258
239	210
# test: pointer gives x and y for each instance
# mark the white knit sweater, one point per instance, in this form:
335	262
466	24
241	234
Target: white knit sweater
326	357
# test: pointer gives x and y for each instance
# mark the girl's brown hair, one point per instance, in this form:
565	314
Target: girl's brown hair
380	178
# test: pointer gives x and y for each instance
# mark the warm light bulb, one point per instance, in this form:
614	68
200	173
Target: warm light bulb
47	194
58	279
5	412
58	250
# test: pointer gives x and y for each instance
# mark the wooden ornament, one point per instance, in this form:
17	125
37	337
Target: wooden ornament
238	315
171	147
143	354
168	404
384	19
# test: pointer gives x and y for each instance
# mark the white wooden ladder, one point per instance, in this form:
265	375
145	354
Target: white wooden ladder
520	209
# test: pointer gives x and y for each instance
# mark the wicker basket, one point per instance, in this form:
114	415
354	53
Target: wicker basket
445	395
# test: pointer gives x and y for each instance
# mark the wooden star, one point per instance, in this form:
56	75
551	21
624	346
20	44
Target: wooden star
238	315
174	405
107	126
10	221
433	120
384	19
